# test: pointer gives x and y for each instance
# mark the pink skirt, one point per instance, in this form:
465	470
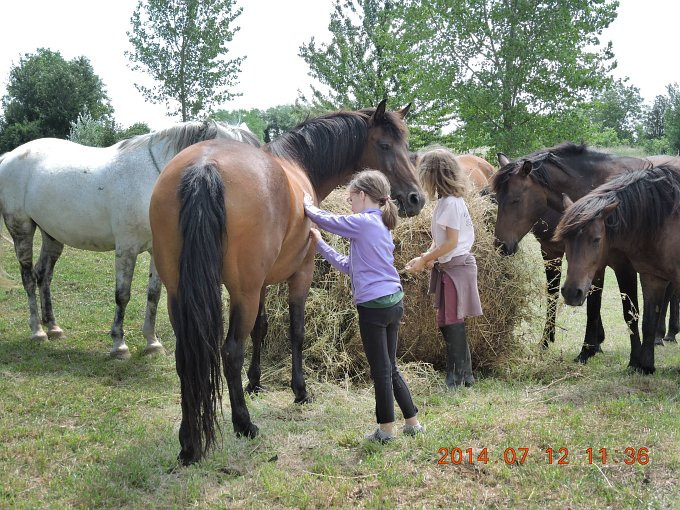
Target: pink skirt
447	313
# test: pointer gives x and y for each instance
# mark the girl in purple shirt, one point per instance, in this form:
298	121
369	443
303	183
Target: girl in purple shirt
376	290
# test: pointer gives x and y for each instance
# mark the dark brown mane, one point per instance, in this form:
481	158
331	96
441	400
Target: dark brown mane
646	198
570	158
325	146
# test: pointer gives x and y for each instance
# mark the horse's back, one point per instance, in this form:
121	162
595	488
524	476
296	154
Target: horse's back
479	170
257	198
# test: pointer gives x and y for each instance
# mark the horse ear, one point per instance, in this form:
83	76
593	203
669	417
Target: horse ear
502	159
379	114
609	209
404	111
566	201
527	167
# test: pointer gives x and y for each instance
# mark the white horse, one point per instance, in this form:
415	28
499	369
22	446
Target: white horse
94	199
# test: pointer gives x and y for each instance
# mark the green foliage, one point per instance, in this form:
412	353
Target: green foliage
619	108
93	132
672	119
266	124
138	128
524	65
655	118
45	93
182	45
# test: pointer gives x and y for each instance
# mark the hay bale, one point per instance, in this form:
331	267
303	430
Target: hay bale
333	349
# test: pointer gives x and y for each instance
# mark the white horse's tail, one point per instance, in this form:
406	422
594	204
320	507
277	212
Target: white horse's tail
5	281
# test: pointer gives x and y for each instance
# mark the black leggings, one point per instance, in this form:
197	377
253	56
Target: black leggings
379	329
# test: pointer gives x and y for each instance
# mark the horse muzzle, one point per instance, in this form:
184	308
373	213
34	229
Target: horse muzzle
506	248
573	295
410	204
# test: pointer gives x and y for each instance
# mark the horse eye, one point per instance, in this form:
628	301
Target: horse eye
514	201
596	240
384	146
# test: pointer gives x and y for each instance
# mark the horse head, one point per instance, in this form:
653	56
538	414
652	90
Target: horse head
521	202
387	150
585	246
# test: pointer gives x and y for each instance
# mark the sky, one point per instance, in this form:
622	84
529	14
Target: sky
644	36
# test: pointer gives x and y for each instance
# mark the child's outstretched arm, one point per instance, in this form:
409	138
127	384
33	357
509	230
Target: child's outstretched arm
342	225
337	260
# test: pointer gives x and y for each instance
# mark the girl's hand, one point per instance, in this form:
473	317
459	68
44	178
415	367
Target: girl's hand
415	265
308	200
315	234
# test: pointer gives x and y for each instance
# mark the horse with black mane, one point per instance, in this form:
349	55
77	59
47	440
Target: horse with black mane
226	213
94	199
529	195
637	214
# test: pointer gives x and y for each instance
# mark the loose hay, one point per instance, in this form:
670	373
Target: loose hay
333	349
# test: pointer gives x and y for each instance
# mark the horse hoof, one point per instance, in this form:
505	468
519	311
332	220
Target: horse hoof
644	370
670	339
55	333
154	348
120	353
307	399
40	336
250	431
658	341
582	359
253	389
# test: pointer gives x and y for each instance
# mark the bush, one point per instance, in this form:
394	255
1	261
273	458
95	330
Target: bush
93	132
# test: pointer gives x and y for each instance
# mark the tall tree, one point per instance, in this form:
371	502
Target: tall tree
672	119
523	63
655	119
45	93
618	107
182	45
371	57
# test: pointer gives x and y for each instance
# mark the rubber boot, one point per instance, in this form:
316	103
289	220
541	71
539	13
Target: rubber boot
458	360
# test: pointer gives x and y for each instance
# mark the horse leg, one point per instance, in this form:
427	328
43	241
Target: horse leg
125	269
553	273
627	279
242	315
661	327
257	335
673	318
22	231
653	290
49	254
594	334
298	289
153	295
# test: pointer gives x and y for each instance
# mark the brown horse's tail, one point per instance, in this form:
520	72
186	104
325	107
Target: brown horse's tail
197	308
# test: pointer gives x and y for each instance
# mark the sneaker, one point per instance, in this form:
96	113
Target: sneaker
413	430
379	436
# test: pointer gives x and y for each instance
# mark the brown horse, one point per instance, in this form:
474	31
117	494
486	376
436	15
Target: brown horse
477	169
638	214
226	213
529	195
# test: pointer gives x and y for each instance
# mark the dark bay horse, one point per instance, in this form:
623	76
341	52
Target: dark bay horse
529	195
637	214
227	213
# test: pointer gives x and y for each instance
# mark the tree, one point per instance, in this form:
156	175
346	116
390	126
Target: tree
371	57
45	93
182	45
618	107
672	120
655	125
523	63
266	124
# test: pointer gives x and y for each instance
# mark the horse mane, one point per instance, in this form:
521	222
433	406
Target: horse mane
543	174
646	198
325	146
181	136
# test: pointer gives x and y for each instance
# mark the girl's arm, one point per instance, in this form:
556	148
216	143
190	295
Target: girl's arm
340	224
428	258
335	259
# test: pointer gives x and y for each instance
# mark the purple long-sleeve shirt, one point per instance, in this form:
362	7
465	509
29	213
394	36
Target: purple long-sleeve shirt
370	263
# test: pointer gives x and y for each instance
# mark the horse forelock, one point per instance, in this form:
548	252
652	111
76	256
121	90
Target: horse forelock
646	198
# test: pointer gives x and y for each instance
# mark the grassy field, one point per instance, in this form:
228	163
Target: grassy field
78	430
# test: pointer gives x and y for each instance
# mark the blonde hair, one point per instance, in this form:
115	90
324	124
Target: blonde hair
440	174
376	186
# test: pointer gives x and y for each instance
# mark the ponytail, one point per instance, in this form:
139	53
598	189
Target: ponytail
390	213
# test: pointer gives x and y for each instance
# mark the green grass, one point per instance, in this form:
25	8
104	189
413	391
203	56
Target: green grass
78	430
